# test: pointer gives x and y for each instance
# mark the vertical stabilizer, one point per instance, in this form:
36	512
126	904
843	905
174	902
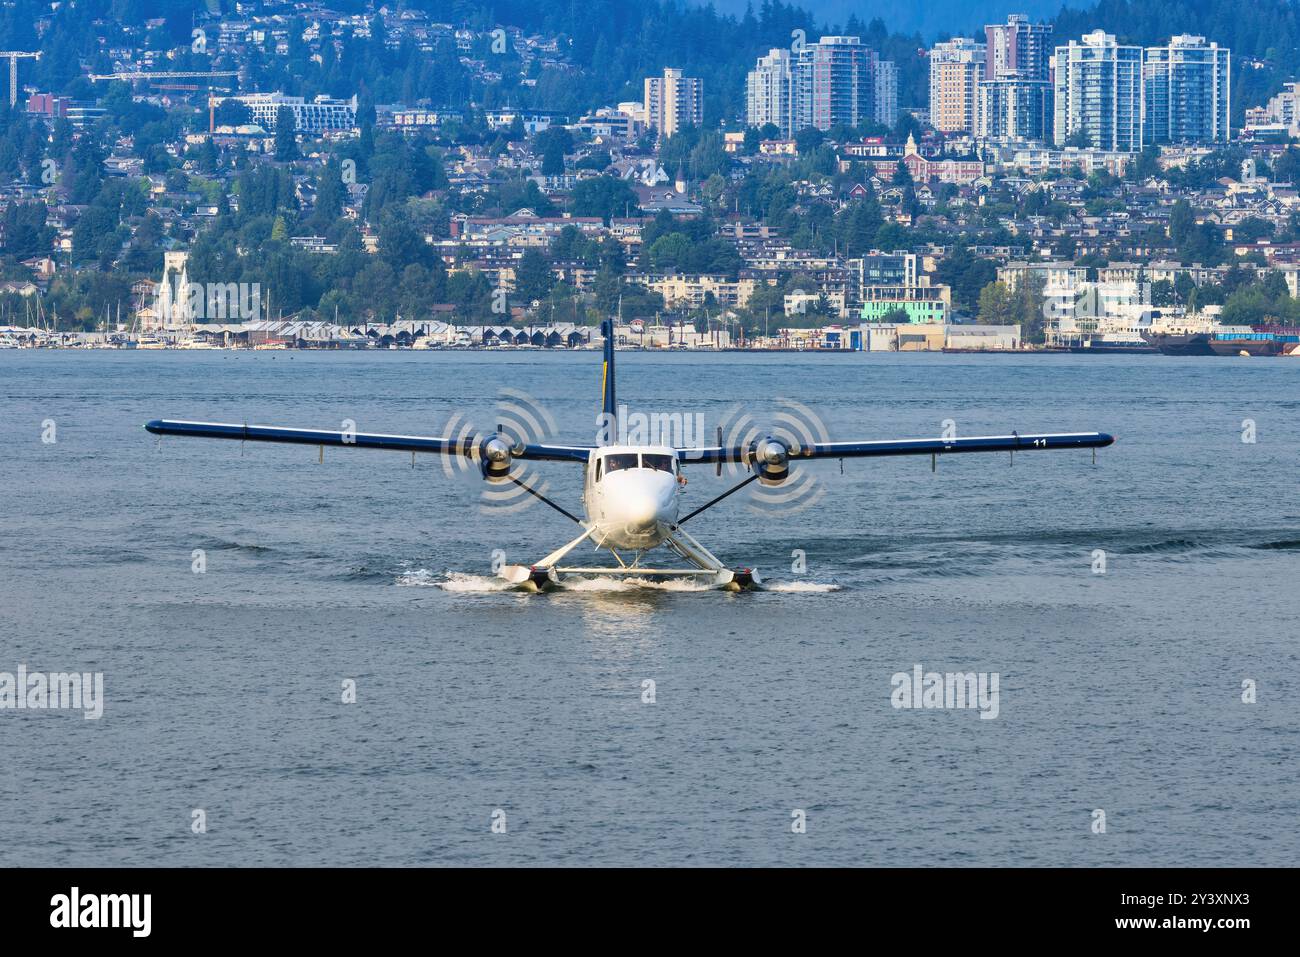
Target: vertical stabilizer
609	405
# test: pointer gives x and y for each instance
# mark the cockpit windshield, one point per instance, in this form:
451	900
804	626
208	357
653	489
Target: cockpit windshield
620	460
617	461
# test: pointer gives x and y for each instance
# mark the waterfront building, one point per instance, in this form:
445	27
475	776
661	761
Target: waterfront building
168	310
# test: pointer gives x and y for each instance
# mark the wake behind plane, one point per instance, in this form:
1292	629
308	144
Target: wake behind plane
631	493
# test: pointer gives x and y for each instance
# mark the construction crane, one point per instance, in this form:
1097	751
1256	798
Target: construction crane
14	56
168	75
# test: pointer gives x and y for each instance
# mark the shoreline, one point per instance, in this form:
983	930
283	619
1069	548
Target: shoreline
511	350
1047	351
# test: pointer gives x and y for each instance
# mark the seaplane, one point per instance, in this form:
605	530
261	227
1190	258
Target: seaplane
632	492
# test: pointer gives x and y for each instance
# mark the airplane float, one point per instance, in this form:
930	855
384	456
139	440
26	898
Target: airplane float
631	493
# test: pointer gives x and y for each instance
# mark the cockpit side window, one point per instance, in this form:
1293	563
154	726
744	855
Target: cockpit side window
661	463
620	460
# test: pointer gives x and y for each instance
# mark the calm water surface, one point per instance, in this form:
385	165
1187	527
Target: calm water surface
1118	691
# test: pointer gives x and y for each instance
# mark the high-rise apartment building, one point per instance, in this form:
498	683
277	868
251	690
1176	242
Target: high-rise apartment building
768	92
1284	108
1098	94
1186	87
673	101
1018	48
1012	110
886	92
956	67
835	81
1013	102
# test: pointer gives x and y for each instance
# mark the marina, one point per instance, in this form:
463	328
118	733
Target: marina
413	336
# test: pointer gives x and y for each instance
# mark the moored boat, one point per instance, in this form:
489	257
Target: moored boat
1112	343
1245	344
1180	343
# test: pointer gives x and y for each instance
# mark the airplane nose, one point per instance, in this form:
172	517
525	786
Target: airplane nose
642	511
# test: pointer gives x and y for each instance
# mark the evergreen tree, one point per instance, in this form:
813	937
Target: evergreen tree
286	138
533	278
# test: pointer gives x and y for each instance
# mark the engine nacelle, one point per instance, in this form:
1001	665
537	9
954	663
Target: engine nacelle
495	457
771	459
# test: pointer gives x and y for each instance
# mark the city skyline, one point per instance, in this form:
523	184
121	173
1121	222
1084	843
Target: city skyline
671	195
1016	86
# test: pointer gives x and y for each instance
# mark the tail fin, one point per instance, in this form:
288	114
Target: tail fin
609	405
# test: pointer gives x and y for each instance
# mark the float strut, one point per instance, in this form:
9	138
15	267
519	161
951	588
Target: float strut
710	504
536	494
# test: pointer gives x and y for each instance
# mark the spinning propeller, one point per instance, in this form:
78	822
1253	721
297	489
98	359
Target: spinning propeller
767	452
521	421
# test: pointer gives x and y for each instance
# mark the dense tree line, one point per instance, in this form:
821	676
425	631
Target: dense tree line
614	43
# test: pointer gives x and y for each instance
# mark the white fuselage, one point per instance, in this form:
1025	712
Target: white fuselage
630	495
